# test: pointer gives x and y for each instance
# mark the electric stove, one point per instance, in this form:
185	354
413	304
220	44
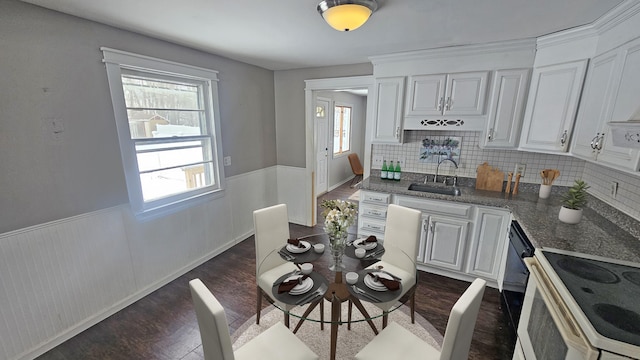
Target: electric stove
607	295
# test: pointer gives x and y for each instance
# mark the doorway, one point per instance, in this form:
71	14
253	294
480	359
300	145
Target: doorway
364	84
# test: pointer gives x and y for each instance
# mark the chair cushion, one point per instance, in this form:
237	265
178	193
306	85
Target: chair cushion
396	342
277	343
408	280
266	280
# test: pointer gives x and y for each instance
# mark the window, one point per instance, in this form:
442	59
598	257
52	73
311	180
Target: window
341	129
166	119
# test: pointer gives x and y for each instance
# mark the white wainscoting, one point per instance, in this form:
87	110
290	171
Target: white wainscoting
59	278
294	189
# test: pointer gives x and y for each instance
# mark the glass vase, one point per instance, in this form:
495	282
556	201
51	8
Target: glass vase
337	244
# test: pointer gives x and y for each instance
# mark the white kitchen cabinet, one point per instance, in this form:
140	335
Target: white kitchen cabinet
372	213
446	242
551	107
626	104
455	94
595	107
611	78
506	109
388	116
488	242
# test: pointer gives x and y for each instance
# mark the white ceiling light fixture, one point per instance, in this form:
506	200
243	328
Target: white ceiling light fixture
346	15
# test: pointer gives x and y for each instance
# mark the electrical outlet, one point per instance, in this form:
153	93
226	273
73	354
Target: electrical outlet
377	161
614	189
520	168
401	161
227	161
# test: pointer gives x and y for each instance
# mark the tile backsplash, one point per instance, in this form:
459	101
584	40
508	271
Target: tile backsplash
598	177
471	155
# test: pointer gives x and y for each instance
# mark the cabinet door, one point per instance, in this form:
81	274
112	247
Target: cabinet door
506	109
388	110
488	243
595	105
626	104
426	94
446	243
466	93
551	106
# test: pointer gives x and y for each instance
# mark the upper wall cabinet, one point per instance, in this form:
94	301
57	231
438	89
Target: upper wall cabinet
506	109
610	94
454	94
551	107
389	97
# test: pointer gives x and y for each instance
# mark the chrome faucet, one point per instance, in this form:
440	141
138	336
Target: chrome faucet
435	178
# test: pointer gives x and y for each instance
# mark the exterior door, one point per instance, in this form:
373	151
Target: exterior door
322	111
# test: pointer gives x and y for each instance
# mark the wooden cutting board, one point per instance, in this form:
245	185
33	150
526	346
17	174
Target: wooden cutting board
489	178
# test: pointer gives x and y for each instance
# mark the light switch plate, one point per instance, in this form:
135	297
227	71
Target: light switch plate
520	168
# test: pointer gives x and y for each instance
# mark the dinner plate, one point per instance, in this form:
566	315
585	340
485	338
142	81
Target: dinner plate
360	243
376	285
300	289
298	250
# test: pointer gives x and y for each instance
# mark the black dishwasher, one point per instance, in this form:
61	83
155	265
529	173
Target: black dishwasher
515	276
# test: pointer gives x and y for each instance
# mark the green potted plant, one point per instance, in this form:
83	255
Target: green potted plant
573	202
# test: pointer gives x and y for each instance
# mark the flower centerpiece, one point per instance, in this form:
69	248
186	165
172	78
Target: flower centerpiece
338	215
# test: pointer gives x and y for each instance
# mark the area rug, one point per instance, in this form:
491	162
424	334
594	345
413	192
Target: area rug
349	341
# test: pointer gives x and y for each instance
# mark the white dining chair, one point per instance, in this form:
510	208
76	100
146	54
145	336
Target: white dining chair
271	226
401	239
275	343
396	342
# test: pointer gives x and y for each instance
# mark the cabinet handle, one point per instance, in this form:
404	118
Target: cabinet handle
594	141
599	142
449	103
431	227
563	138
440	102
398	132
490	137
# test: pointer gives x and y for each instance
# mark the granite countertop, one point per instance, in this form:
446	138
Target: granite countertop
603	231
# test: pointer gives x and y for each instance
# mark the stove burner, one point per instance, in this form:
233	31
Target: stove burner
623	319
632	276
588	271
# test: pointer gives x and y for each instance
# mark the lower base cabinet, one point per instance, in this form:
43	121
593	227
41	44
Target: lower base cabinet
461	241
489	242
446	242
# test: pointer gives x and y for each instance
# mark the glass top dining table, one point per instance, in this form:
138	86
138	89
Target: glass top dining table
323	284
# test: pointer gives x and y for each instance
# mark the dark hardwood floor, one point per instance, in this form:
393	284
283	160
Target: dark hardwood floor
163	325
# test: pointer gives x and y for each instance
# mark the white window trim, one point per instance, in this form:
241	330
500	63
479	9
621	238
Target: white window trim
333	109
115	60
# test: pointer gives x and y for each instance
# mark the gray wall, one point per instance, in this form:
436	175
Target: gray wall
289	107
339	167
43	179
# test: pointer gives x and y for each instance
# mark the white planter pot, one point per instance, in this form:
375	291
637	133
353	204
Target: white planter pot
570	216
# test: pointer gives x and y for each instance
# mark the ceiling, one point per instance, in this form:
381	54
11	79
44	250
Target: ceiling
290	34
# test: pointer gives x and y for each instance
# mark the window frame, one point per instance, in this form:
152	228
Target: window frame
117	60
346	152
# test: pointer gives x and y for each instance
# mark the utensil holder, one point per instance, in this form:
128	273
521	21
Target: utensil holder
545	191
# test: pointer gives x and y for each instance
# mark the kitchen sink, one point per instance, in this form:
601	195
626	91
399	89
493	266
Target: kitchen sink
435	189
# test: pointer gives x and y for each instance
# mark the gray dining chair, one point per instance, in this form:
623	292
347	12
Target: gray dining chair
271	226
401	239
275	343
396	342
